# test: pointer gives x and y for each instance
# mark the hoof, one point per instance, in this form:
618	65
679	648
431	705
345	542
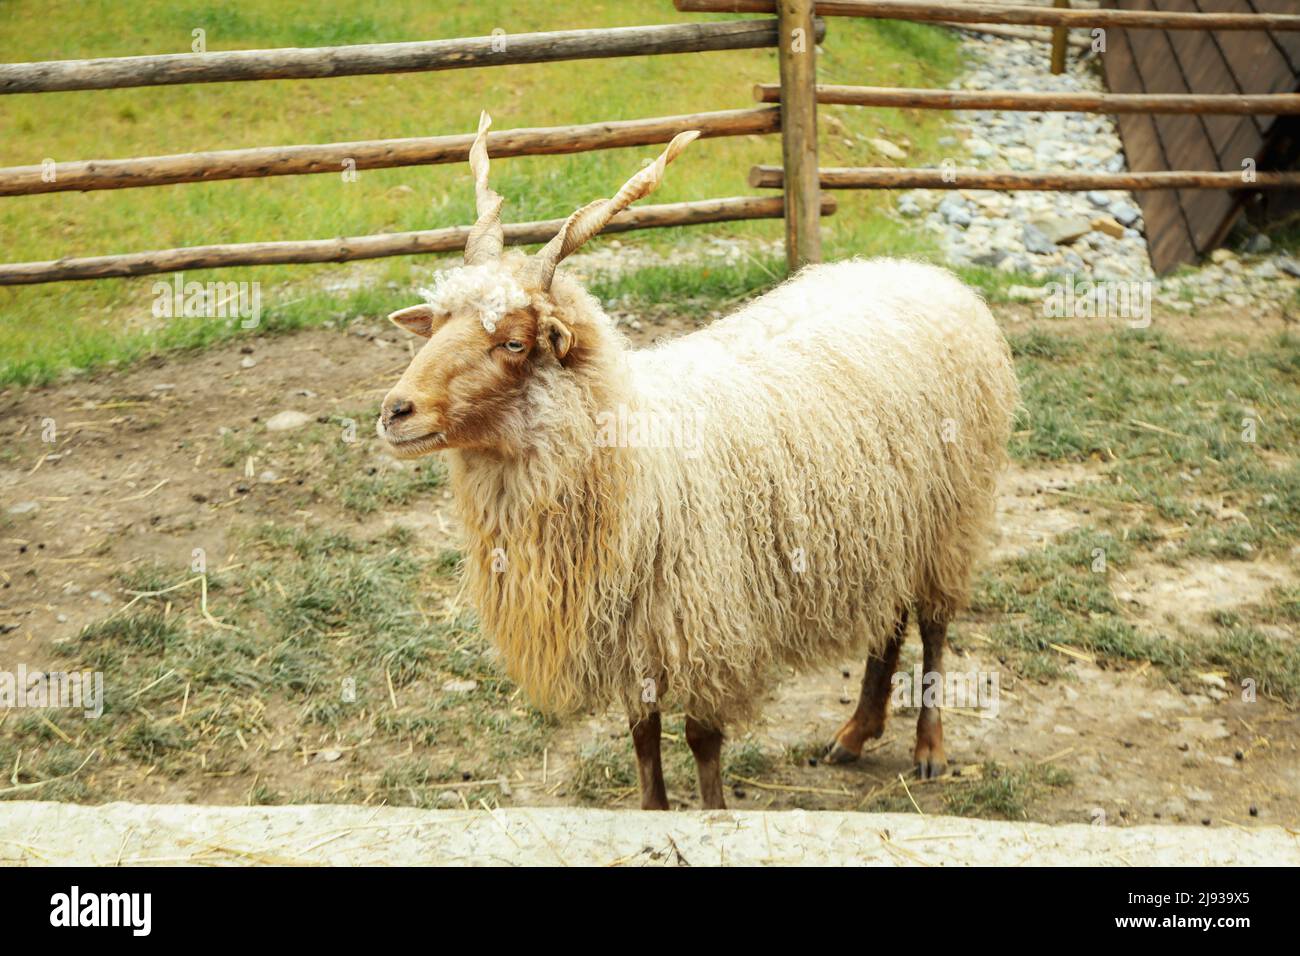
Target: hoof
837	753
930	769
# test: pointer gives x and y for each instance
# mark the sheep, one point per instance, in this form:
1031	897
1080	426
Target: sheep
677	525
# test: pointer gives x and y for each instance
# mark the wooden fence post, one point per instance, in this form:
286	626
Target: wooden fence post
1060	44
797	50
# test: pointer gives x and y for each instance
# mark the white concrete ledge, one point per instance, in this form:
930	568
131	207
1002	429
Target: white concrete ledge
140	835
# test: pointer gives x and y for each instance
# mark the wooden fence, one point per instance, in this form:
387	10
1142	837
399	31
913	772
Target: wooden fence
798	93
795	32
248	65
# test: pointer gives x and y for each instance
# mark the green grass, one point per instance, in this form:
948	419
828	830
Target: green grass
309	614
47	329
1003	793
1057	597
1221	435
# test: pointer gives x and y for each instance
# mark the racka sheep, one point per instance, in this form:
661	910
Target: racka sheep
825	462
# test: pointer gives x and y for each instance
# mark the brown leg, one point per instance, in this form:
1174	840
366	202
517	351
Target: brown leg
929	756
649	769
706	744
868	720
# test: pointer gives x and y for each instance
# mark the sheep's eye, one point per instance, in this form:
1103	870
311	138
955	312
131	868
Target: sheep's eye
514	345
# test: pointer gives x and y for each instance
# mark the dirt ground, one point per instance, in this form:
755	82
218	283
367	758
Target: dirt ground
141	471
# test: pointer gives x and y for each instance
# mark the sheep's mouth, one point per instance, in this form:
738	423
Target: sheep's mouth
414	447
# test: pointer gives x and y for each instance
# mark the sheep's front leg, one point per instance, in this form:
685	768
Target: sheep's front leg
649	768
868	720
928	756
706	744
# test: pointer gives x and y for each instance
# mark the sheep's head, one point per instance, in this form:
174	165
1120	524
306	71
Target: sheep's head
492	324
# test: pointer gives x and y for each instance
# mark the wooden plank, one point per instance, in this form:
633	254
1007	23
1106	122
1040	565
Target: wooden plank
1109	103
1254	59
379	246
1010	13
1203	65
1288	43
1169	231
1060	34
1187	143
892	177
1168	242
375	154
383	58
797	55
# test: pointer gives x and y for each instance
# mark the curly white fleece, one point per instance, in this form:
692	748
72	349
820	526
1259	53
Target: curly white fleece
488	292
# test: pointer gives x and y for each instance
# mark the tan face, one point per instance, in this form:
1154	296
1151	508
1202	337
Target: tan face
465	388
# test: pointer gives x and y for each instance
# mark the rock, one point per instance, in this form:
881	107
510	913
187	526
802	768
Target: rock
1125	213
247	362
1178	381
955	211
101	597
1214	680
989	257
1258	244
285	421
449	798
1063	230
979	148
1024	293
1036	242
459	686
267	476
1108	225
328	756
1098	199
887	149
1290	267
908	206
1223	256
25	508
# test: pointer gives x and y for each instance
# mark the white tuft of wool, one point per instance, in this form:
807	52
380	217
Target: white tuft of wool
486	291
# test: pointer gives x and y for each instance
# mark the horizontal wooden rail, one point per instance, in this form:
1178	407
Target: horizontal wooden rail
1012	13
378	58
373	154
376	247
770	177
1263	104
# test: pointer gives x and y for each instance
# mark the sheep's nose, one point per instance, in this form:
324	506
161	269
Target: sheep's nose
396	408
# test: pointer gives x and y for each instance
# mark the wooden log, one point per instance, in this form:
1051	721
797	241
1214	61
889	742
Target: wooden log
797	58
931	12
1060	33
884	177
379	58
379	246
1269	104
373	154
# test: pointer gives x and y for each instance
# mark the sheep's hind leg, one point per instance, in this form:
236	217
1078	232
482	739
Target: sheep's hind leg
649	768
928	756
706	744
868	720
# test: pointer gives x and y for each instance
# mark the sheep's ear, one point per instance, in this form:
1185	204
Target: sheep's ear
418	319
559	335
